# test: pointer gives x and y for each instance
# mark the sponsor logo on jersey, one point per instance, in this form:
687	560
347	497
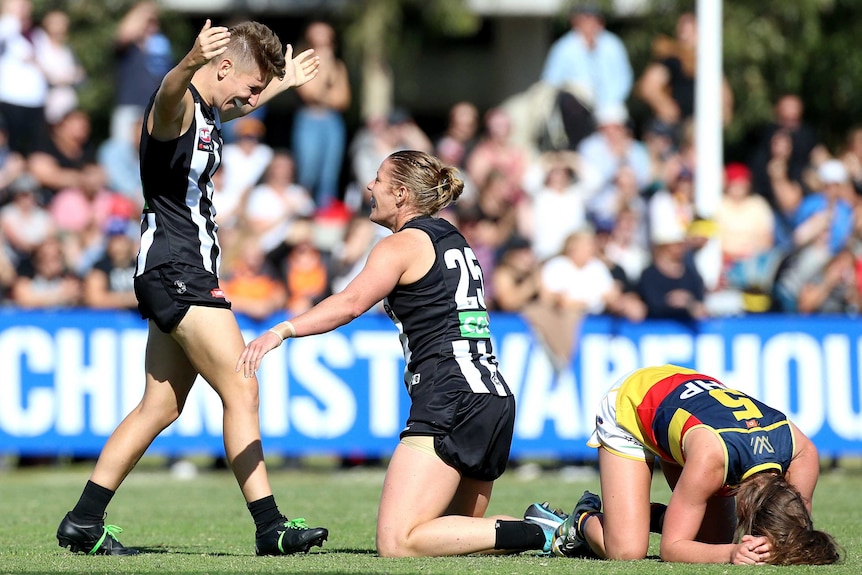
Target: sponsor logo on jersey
217	292
205	139
761	444
475	324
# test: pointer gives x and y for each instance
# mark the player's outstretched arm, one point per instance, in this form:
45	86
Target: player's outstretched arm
297	71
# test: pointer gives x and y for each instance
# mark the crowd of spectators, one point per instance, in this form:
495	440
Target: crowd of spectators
591	213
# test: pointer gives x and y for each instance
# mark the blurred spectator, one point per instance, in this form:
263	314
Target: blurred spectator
143	57
572	284
784	145
783	193
120	159
305	270
59	64
625	245
8	273
833	291
74	208
454	146
48	283
319	132
590	67
672	207
626	303
827	216
109	284
276	203
24	223
460	136
851	156
12	164
243	164
23	86
250	283
661	146
667	84
671	287
58	159
497	153
606	151
373	142
745	221
555	205
516	278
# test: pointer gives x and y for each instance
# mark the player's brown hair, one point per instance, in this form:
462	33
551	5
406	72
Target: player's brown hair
253	43
767	505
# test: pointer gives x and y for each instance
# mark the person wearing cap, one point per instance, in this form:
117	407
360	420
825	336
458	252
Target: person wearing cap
23	222
591	68
610	148
746	224
826	217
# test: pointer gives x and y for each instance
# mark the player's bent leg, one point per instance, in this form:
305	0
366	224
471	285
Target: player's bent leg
623	532
213	342
169	379
418	490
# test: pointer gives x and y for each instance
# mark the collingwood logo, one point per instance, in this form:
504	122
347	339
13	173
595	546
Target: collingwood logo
760	444
181	286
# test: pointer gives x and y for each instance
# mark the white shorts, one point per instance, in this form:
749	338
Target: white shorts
610	435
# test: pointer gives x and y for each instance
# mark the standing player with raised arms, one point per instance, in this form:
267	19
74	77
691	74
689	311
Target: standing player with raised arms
192	331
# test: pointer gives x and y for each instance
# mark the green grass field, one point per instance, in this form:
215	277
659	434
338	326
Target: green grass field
201	525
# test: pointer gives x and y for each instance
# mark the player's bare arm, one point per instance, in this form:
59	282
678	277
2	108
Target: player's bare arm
804	469
387	263
172	111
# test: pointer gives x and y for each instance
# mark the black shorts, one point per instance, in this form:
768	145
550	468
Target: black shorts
472	431
166	293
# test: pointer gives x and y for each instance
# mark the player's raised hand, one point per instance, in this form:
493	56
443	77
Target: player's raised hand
302	68
211	42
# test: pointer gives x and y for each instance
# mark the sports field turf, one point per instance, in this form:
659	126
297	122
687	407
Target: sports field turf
202	526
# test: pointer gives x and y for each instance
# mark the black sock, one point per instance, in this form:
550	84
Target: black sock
518	535
92	504
265	513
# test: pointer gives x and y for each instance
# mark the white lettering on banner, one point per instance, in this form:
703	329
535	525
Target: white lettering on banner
83	378
76	381
781	354
843	418
385	380
331	411
32	414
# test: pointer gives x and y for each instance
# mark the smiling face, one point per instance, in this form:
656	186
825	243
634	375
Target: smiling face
238	86
384	196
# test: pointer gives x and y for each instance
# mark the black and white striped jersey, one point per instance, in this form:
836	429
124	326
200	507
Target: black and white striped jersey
443	316
177	225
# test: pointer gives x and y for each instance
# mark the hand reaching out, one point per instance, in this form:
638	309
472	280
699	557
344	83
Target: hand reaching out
301	69
249	360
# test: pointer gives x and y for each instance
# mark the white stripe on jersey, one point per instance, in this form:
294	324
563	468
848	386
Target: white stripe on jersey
464	357
484	355
146	242
198	165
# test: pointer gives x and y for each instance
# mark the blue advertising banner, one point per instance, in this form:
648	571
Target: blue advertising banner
69	377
